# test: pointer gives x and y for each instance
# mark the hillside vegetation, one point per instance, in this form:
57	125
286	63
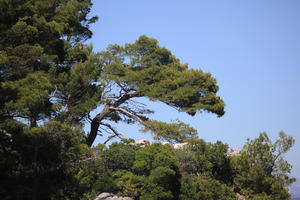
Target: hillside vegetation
52	84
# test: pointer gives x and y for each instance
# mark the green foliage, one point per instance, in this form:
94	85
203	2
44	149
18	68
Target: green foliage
153	156
39	45
261	169
130	184
261	196
32	93
177	131
40	160
119	156
152	71
154	174
201	187
77	91
39	42
49	83
206	159
145	69
92	182
34	34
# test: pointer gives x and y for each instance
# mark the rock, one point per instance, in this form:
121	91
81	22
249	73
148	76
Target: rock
176	146
165	143
104	196
140	143
180	145
113	198
143	143
110	196
234	152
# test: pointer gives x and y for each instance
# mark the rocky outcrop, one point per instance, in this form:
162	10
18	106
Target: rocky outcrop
110	196
176	146
180	145
234	152
140	143
143	143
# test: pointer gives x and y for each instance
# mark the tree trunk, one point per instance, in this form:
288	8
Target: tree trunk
107	109
95	125
33	122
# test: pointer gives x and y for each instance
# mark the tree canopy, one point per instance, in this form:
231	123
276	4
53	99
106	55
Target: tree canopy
42	57
144	69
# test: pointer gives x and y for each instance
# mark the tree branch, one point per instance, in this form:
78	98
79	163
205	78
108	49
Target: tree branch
124	98
106	110
129	114
117	134
109	138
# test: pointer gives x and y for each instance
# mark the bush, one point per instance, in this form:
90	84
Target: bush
200	187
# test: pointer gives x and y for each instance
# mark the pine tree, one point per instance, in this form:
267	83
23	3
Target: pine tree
145	69
41	48
42	57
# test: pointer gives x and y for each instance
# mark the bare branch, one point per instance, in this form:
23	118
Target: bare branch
129	114
8	115
109	138
89	116
124	98
136	103
99	133
105	130
117	134
122	89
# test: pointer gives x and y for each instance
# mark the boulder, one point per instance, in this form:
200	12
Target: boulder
165	143
234	152
110	196
104	196
140	143
180	145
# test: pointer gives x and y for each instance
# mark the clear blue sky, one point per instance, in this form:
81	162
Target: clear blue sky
251	47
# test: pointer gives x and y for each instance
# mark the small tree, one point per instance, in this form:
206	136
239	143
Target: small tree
261	170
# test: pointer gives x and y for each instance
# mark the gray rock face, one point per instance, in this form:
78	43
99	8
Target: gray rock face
110	196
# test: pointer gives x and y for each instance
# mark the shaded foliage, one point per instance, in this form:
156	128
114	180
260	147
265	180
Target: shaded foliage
40	160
